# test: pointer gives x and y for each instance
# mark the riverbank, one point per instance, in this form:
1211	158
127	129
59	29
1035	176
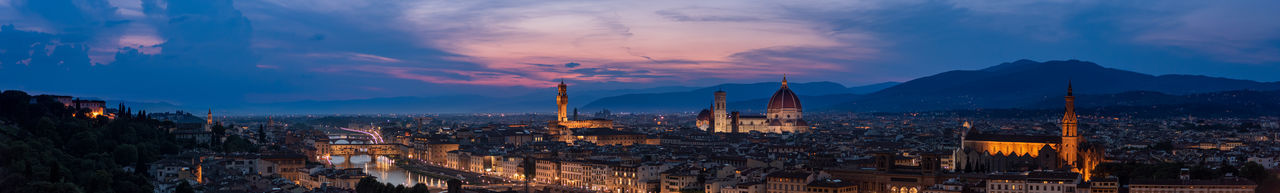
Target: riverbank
416	168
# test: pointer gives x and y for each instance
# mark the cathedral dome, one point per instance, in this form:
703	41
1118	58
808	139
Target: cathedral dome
784	98
705	115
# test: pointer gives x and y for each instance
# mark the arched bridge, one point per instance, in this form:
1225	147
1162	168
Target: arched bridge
368	149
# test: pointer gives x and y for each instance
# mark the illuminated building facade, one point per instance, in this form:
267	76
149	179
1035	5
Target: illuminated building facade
890	174
783	114
562	128
1033	182
93	108
1230	185
981	152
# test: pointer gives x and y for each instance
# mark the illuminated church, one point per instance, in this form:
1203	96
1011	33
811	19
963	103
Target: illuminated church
784	114
982	152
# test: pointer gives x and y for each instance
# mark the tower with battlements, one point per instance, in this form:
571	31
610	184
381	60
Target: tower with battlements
562	101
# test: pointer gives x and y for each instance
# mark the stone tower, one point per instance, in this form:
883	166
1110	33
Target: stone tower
208	125
1070	138
562	100
720	113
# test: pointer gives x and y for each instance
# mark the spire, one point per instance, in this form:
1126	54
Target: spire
1069	119
784	80
1069	88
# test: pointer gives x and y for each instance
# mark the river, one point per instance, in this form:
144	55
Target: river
385	170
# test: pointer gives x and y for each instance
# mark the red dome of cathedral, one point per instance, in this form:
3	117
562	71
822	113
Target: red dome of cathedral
705	115
784	98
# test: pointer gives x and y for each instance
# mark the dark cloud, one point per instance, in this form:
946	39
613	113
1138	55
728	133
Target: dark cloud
572	65
206	56
71	15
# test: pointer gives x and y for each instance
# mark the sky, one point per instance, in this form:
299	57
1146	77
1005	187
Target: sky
213	52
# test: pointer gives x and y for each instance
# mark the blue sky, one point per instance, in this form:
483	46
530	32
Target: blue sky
213	52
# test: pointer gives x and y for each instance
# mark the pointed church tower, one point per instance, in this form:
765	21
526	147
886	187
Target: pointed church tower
208	125
1070	138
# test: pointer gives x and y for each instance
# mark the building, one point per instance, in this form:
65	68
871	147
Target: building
288	165
606	136
438	152
95	108
1033	182
1109	184
982	152
561	129
1229	185
783	114
831	186
950	186
890	175
679	179
788	182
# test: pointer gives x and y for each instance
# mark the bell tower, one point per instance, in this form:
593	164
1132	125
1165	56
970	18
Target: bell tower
208	125
720	113
1070	138
562	100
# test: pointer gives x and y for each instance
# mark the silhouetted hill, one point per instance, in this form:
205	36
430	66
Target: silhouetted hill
1155	104
1025	83
871	88
694	100
1148	104
758	106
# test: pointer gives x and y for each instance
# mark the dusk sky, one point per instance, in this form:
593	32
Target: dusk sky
209	52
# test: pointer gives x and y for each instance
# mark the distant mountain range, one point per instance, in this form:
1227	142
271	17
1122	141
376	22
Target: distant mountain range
1149	104
1028	84
743	97
1023	84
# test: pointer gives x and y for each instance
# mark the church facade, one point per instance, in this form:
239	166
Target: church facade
784	114
981	152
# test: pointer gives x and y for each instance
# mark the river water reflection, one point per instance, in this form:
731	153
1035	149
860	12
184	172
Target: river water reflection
385	170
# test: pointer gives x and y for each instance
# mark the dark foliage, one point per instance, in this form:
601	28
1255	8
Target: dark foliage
48	147
371	185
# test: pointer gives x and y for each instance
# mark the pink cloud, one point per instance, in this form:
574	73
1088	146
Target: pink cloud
653	40
353	56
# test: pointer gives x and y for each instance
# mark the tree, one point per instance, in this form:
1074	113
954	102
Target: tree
1254	171
1202	173
419	188
126	154
218	130
236	143
1225	169
43	143
183	187
262	134
368	185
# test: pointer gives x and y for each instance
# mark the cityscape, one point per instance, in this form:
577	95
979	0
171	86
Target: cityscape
639	97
